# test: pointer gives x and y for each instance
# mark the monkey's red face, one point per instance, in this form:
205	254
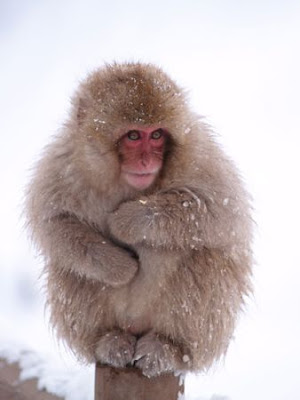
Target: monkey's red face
142	155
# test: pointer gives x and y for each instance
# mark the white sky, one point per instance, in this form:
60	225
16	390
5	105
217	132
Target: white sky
240	61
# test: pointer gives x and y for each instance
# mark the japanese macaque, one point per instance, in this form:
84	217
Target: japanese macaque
144	226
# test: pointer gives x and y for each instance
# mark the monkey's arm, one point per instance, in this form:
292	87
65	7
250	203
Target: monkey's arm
72	245
176	219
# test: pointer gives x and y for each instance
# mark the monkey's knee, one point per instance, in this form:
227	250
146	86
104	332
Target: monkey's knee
116	348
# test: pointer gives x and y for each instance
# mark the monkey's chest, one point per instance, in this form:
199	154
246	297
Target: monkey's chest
140	303
136	305
134	308
136	323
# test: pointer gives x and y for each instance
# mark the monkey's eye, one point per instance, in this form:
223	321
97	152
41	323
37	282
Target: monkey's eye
133	135
157	134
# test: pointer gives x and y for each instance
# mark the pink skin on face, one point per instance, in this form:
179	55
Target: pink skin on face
142	156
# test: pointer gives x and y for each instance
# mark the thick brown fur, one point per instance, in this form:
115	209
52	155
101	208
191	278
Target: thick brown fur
154	278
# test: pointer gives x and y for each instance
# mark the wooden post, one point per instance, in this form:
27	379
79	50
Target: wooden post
130	384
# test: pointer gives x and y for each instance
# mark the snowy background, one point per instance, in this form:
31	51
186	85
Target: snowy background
241	62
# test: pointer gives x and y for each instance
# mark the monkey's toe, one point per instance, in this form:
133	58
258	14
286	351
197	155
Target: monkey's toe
155	356
116	349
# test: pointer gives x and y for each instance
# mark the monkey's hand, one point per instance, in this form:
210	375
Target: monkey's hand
159	220
113	265
174	219
130	222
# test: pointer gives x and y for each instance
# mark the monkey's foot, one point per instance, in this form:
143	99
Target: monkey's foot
116	349
155	356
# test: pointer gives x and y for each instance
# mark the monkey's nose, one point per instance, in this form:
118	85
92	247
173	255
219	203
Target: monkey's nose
145	159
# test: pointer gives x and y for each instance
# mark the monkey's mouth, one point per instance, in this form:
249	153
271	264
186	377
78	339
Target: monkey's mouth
140	181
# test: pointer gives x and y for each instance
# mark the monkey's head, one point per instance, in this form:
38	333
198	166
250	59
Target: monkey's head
133	114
